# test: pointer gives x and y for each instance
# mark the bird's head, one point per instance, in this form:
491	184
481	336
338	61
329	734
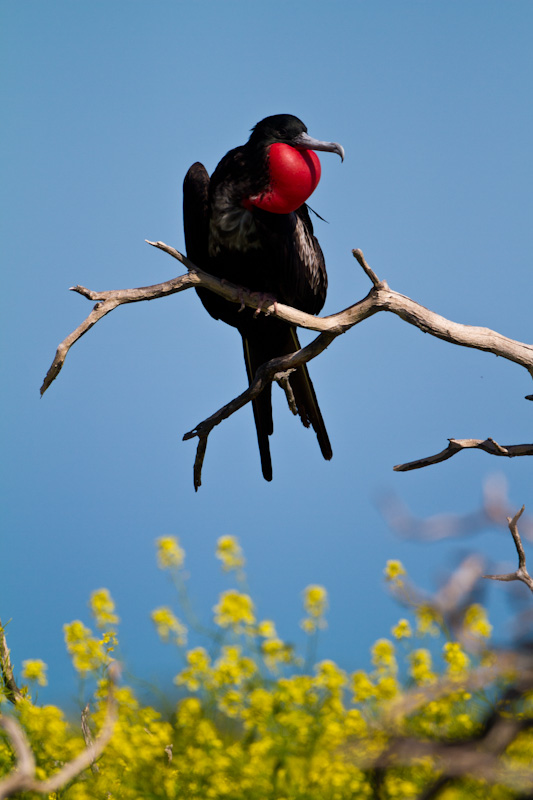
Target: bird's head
288	129
293	167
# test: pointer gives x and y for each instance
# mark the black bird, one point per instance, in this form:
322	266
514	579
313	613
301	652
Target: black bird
250	225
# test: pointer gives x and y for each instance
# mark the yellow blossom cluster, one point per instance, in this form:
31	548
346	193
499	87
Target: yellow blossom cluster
234	610
394	572
252	725
169	553
316	604
103	608
35	670
87	652
476	622
230	553
167	625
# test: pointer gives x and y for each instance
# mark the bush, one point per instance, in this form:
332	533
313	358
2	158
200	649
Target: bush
430	718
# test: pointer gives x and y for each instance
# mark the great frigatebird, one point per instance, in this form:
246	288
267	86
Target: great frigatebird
250	225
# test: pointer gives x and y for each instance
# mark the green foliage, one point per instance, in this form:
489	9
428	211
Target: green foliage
257	721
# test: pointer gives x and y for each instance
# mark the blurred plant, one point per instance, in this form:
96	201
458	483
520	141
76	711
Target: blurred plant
453	719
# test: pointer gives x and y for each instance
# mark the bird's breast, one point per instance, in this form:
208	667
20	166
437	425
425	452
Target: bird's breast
231	226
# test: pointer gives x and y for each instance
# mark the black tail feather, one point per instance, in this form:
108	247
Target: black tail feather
259	350
306	402
262	408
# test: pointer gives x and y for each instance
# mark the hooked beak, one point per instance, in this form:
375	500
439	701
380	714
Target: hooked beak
305	142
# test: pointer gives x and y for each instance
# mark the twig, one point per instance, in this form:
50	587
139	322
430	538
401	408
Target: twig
13	692
521	573
86	732
23	778
456	445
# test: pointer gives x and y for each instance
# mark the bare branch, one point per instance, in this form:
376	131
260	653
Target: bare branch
493	512
13	692
86	732
380	298
23	778
521	573
358	254
456	445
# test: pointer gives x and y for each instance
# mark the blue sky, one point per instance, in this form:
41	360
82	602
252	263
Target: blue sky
106	105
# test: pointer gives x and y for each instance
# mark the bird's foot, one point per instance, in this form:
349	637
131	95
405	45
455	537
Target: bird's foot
265	299
240	295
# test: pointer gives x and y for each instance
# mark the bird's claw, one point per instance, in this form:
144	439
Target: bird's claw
265	299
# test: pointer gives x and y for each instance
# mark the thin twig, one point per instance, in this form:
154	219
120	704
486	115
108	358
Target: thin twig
521	574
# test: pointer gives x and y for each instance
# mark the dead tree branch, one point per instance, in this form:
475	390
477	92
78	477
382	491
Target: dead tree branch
493	512
521	574
380	298
12	691
23	779
456	445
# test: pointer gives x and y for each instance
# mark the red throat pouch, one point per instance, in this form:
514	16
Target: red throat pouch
294	176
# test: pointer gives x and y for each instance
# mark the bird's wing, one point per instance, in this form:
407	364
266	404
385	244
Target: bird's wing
196	213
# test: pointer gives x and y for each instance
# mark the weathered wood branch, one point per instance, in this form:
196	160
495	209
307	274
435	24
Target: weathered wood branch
493	512
456	445
12	691
23	779
521	574
380	298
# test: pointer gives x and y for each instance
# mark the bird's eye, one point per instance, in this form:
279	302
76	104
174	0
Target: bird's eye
282	132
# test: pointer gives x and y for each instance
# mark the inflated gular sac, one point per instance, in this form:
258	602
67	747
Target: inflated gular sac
294	176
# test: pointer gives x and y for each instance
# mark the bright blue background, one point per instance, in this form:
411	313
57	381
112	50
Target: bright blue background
106	104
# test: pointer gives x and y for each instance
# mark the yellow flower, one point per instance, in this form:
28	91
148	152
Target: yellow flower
393	572
387	687
315	603
232	669
230	553
231	703
166	623
103	608
420	669
454	655
354	723
383	656
35	670
88	653
260	707
276	652
428	621
198	672
169	553
330	676
234	610
266	629
402	630
476	621
362	687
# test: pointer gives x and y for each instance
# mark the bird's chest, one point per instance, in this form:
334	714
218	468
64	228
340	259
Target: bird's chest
232	227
